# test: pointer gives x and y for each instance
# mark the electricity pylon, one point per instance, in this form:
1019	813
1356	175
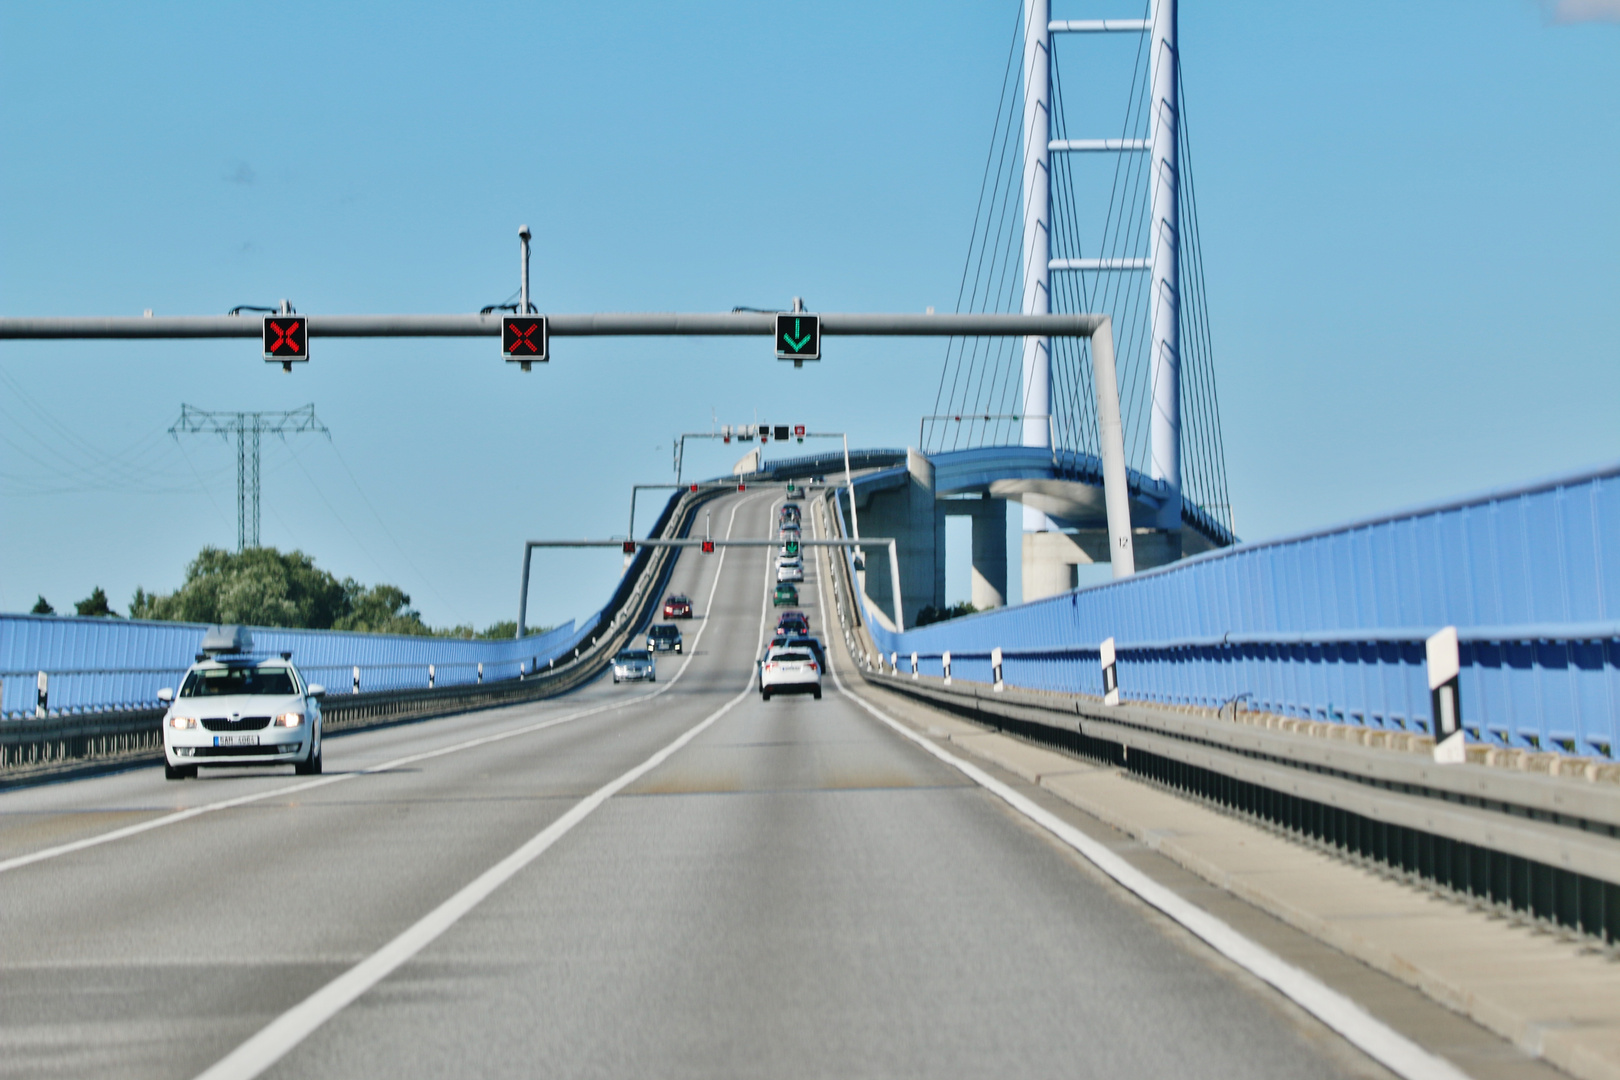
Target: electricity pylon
247	427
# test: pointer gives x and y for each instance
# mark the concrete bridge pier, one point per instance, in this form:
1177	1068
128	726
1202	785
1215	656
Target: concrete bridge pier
989	553
903	506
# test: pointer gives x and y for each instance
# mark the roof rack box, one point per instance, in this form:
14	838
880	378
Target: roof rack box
227	640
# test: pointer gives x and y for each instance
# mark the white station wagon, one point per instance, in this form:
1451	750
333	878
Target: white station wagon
235	708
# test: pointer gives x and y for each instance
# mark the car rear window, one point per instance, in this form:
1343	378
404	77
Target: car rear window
792	657
218	682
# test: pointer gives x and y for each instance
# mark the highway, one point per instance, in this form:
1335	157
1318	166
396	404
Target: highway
570	889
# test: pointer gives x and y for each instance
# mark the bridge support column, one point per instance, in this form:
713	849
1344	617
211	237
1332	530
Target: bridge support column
903	506
990	554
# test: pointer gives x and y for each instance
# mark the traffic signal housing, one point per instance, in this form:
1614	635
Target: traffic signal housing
798	337
286	339
525	339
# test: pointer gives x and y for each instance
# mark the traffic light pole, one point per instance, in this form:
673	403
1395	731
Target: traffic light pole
634	489
733	323
610	324
849	479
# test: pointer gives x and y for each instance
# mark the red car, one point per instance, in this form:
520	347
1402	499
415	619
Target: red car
678	607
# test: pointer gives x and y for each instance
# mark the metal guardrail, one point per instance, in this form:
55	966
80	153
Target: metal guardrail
1535	847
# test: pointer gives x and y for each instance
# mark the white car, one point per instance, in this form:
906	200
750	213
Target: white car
790	670
634	665
235	708
789	571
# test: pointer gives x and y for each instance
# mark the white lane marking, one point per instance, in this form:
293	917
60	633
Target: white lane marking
178	816
286	1031
1360	1028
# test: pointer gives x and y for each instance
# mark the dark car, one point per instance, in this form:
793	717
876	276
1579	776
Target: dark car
787	594
793	622
664	637
678	607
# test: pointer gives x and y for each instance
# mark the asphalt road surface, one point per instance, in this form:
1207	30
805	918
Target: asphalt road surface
795	891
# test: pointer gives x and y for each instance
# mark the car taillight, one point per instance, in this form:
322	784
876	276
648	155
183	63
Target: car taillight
812	666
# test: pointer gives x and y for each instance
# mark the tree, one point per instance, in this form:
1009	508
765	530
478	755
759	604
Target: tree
381	609
258	587
95	605
42	607
263	587
932	614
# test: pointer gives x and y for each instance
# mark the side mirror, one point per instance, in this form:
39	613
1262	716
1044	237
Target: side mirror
166	694
316	690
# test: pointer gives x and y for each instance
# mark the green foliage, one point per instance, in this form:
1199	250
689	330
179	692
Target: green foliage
381	609
95	605
258	587
932	614
265	587
42	607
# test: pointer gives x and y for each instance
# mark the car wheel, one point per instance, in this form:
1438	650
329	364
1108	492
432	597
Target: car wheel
174	772
615	680
312	767
766	694
817	693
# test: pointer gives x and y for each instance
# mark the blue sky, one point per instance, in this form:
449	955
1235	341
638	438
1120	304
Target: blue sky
1409	212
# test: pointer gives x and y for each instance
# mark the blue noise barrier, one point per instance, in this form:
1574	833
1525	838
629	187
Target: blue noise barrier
103	665
1330	625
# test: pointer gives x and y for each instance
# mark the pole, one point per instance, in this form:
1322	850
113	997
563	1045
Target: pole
1111	437
849	482
1165	294
253	486
523	593
1037	363
241	484
523	236
894	583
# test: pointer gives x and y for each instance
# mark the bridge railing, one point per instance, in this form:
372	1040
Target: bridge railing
1330	625
94	665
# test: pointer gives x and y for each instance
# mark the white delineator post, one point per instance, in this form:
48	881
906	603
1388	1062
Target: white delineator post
1164	181
1037	367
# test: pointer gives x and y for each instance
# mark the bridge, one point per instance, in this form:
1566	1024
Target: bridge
1345	802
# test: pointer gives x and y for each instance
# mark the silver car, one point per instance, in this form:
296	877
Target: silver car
634	665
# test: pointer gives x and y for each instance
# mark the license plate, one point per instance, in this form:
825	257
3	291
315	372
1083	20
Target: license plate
236	740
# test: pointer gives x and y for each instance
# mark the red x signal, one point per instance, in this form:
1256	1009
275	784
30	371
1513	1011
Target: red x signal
525	338
708	547
286	337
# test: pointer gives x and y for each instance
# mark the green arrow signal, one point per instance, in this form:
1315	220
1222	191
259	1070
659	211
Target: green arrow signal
797	344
